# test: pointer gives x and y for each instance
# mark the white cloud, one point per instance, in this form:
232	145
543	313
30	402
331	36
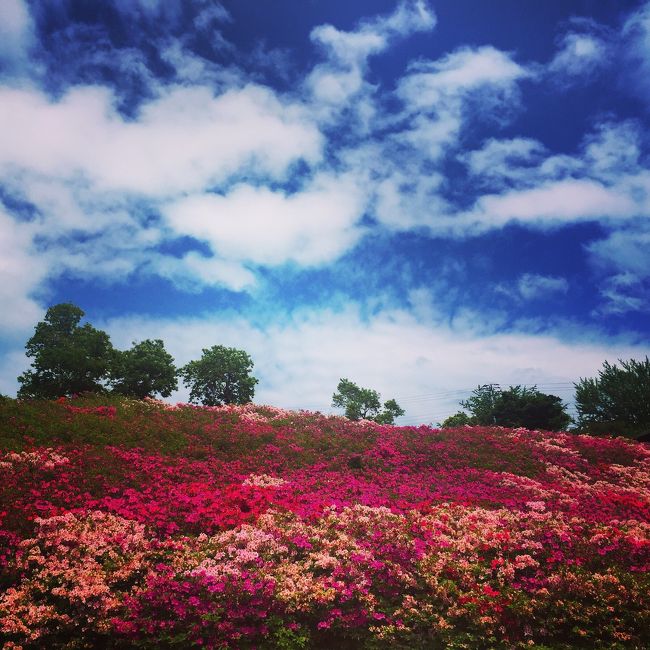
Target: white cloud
604	181
410	16
142	11
211	14
193	271
16	34
581	56
624	254
405	201
533	287
341	78
552	204
626	250
405	168
623	293
183	141
462	71
261	226
193	70
434	95
635	38
12	363
22	270
349	48
610	154
499	161
613	149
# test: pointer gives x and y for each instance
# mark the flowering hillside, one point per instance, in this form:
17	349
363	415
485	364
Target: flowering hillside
136	524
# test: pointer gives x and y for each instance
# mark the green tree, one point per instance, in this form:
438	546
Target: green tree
144	370
391	411
527	407
617	401
67	358
457	420
515	407
220	376
364	403
481	403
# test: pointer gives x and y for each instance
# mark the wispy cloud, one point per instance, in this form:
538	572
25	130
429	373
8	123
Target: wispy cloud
623	293
584	50
636	38
334	83
533	287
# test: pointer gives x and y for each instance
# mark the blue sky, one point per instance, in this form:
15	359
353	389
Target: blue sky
419	196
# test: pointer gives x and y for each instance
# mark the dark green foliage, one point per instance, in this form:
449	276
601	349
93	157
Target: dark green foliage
515	407
457	420
527	407
364	403
617	401
67	358
145	370
220	376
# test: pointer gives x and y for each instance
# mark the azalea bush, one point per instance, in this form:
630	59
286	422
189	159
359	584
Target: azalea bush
141	524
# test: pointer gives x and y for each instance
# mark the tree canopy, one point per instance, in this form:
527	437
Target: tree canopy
67	358
145	370
482	403
364	403
458	419
617	401
515	407
220	376
527	407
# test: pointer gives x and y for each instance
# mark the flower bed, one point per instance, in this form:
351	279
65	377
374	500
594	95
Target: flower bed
256	527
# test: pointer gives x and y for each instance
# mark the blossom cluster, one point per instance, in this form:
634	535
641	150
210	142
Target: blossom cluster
43	458
256	527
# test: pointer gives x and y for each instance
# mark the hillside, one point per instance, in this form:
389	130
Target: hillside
127	523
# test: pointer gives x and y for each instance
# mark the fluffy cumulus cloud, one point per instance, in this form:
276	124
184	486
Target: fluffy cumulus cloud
431	82
260	226
184	140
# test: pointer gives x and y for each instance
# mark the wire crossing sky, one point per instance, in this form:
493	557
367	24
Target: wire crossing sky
418	196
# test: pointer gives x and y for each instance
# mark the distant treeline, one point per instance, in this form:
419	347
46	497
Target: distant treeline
69	358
